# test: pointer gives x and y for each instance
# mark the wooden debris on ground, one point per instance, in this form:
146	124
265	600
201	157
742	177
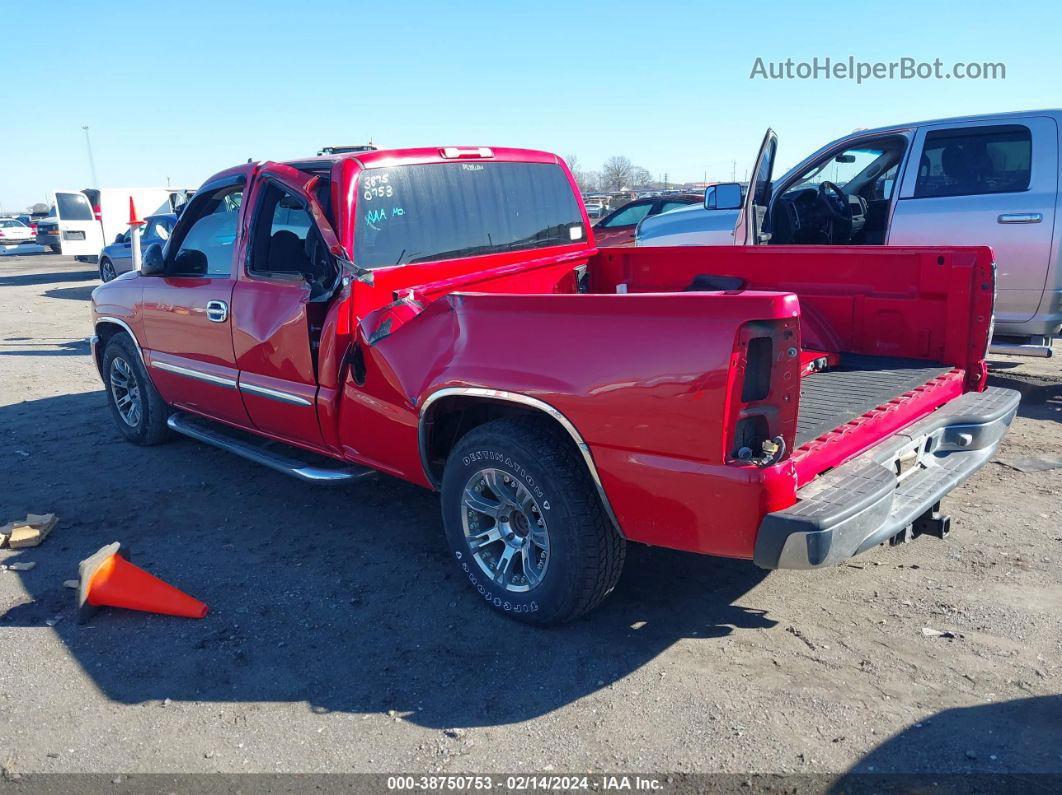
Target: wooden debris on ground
28	532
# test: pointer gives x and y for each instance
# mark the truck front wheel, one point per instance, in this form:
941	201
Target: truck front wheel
139	411
525	523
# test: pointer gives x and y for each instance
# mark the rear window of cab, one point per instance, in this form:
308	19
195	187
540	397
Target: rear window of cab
432	212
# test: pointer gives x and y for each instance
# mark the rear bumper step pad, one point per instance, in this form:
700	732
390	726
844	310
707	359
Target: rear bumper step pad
877	494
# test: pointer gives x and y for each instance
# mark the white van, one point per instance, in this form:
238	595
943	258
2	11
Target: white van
83	221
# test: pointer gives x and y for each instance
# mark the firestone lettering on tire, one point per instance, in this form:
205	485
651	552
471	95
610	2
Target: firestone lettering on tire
489	596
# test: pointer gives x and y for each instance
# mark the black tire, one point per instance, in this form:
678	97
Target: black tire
121	361
584	555
56	249
107	272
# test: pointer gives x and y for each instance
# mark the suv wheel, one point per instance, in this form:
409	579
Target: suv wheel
525	523
138	409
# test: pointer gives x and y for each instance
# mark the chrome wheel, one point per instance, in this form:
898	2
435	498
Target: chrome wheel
505	530
125	392
107	272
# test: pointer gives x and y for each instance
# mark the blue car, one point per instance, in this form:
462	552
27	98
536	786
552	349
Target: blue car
118	256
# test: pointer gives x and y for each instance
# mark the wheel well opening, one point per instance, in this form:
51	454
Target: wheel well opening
452	417
104	332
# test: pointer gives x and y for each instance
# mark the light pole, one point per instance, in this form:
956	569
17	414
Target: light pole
92	163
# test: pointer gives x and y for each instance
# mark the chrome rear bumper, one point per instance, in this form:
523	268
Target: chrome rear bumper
880	493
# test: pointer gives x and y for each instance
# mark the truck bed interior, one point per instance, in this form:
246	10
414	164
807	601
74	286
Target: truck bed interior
859	384
890	333
886	334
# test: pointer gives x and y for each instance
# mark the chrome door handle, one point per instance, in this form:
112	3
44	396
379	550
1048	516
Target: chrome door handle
1020	218
217	311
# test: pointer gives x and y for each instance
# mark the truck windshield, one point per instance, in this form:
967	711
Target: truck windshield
427	213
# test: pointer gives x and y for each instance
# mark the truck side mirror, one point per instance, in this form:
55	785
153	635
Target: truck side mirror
724	196
153	263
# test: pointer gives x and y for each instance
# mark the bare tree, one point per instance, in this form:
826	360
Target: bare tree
616	173
586	180
641	178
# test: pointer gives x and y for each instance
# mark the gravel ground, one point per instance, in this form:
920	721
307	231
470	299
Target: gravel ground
341	639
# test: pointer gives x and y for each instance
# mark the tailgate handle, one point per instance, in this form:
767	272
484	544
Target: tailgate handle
1020	218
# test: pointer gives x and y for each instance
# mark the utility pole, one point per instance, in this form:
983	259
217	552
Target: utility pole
92	163
733	171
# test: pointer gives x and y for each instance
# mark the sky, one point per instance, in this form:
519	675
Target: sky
174	92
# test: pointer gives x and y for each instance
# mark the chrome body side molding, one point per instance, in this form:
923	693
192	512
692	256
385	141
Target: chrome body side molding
198	375
275	394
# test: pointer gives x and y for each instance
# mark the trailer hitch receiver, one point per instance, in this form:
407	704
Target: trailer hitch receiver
931	523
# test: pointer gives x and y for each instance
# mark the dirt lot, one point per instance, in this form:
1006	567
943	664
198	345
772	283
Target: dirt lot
341	639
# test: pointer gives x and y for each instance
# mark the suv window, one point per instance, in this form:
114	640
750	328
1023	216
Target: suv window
206	249
157	229
975	160
629	216
425	213
883	186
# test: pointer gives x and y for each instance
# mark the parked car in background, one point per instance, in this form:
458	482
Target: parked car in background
29	221
117	258
14	231
83	221
617	228
443	315
594	210
989	180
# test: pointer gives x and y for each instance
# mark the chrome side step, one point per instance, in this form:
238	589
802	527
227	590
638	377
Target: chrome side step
1036	345
1040	351
264	451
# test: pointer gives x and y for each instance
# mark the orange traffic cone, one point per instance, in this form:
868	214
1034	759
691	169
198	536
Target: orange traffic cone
109	579
133	220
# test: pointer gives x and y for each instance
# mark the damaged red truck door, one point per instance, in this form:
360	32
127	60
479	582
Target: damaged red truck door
443	316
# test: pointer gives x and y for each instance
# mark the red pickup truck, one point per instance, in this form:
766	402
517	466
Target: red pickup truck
442	315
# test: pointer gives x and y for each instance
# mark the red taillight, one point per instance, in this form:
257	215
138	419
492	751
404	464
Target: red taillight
763	390
99	215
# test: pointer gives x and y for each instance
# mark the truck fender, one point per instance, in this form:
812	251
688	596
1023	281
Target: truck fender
535	405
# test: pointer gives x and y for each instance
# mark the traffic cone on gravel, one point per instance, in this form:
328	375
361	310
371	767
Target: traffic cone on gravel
109	579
